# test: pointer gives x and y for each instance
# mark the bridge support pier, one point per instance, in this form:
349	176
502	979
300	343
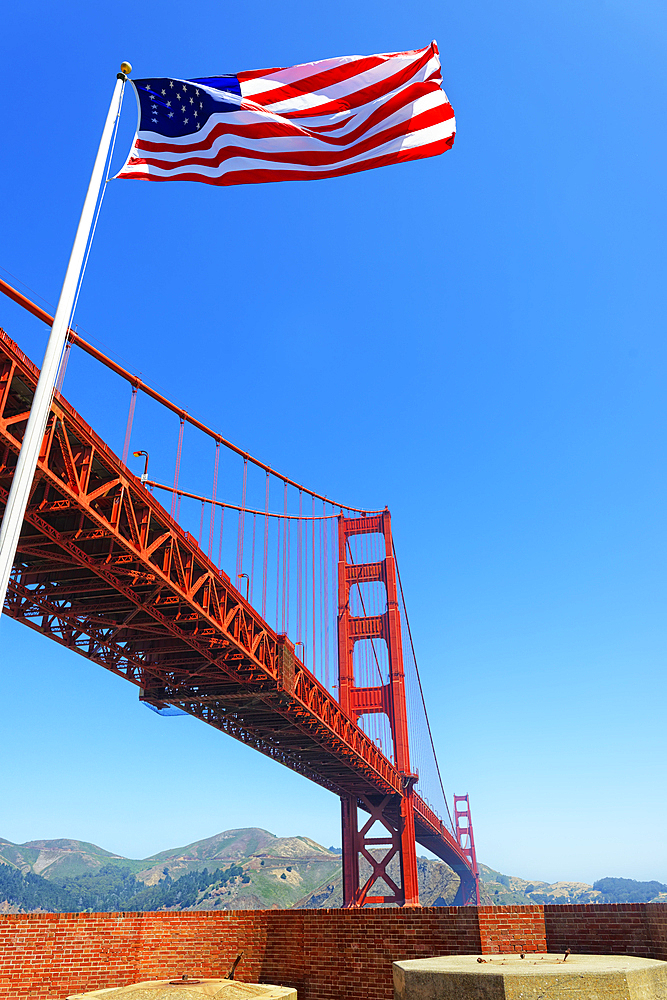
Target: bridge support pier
390	830
388	833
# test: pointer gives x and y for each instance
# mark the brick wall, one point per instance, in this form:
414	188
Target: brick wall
505	929
609	929
325	954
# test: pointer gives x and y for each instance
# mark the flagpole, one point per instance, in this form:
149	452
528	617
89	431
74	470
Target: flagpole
34	433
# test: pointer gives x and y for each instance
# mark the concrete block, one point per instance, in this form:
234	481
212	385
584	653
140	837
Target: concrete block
202	989
535	977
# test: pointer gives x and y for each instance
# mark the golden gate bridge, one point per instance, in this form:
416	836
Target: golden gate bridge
299	647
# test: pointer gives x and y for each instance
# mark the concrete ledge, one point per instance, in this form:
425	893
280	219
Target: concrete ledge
197	989
535	977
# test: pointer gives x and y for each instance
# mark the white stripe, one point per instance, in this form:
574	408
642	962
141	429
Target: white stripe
352	119
292	74
261	116
299	141
413	140
346	88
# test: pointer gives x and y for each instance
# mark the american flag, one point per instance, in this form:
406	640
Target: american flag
321	119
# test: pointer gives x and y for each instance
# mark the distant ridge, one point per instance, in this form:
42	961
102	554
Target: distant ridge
247	868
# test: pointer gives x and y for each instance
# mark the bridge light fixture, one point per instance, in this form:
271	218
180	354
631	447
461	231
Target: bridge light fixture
144	475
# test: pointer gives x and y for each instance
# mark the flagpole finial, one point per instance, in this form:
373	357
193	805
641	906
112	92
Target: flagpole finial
126	68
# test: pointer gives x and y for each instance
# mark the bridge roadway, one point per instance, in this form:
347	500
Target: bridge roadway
104	570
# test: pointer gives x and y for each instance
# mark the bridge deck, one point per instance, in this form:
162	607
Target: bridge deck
103	569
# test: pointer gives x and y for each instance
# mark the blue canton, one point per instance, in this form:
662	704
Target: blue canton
177	107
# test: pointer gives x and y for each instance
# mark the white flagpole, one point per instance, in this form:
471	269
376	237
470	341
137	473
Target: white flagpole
41	404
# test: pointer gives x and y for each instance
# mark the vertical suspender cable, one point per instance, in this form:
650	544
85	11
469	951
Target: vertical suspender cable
299	573
211	530
130	421
201	522
241	531
312	644
175	499
278	550
222	525
266	549
285	521
288	528
321	593
326	529
252	555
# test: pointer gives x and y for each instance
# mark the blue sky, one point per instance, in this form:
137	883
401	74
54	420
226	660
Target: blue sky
476	340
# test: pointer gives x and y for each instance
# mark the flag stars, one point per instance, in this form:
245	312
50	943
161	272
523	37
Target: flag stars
174	108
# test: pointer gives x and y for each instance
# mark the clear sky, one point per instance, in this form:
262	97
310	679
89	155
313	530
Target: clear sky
476	340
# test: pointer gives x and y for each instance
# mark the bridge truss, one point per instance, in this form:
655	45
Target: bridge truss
103	569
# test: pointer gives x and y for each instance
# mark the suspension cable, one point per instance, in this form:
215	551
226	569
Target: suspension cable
134	380
421	691
248	510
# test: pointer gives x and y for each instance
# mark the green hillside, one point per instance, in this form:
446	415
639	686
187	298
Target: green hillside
237	869
247	869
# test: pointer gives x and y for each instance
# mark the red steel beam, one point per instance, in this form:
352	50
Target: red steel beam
103	569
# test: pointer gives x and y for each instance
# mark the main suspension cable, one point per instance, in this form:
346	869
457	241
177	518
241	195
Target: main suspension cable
183	414
421	691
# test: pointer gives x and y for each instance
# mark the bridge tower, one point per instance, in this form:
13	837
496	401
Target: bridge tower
468	891
393	813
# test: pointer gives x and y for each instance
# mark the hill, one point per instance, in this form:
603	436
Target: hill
272	872
248	868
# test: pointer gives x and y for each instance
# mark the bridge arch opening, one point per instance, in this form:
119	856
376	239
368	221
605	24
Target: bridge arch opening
370	659
376	726
365	548
368	599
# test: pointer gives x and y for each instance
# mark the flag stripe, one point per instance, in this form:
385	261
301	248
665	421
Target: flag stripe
347	97
289	74
263	126
309	157
322	119
254	175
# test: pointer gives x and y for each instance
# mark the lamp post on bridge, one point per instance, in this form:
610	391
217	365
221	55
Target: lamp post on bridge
144	454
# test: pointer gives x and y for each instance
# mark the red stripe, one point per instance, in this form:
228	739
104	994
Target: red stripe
284	129
330	128
266	176
253	74
317	82
365	96
307	157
